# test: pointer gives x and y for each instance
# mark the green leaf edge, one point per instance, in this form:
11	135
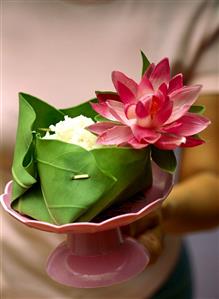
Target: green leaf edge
145	63
165	159
197	109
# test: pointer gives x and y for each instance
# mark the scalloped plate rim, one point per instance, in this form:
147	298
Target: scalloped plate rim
123	219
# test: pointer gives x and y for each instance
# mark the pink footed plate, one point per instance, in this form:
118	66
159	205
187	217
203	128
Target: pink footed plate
96	254
123	215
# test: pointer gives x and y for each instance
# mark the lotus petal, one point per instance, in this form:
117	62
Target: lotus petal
169	142
160	74
142	110
150	70
192	141
122	78
104	96
163	114
145	87
101	127
135	143
115	136
189	124
103	110
117	109
175	83
148	135
125	93
182	100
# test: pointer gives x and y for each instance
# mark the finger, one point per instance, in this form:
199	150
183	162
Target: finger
193	205
153	241
146	223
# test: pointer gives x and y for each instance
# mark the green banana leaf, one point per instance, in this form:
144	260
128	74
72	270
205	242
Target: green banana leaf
59	182
131	168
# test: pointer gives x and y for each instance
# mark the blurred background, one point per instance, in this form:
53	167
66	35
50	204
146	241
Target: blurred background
62	50
204	250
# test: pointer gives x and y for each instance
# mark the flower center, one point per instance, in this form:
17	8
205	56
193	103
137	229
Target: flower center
154	106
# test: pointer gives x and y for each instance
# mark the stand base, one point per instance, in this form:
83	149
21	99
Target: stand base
95	271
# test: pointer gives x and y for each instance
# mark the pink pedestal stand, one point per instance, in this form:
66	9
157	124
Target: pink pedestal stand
96	254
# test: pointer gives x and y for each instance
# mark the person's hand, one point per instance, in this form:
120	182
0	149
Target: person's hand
148	231
193	204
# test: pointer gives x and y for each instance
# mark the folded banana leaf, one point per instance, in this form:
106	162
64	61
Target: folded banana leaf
59	182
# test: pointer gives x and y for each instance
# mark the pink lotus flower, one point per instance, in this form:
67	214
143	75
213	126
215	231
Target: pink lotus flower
155	111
